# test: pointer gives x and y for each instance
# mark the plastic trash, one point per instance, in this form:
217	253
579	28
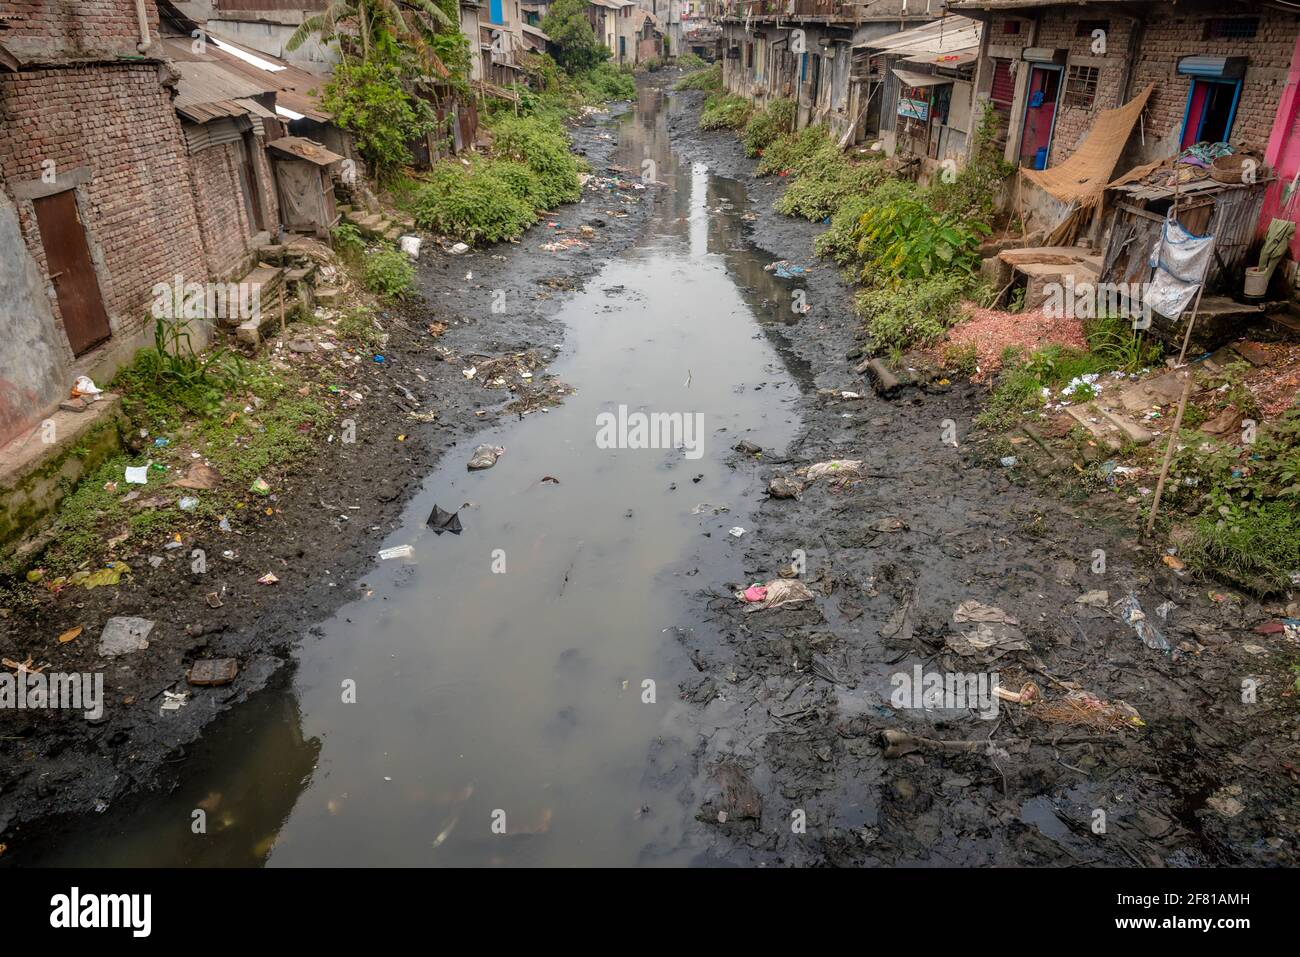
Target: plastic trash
441	521
85	387
775	594
188	503
411	245
484	457
122	636
137	474
397	551
1132	614
260	487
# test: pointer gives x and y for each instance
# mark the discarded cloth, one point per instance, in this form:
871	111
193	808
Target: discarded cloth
484	457
990	632
775	594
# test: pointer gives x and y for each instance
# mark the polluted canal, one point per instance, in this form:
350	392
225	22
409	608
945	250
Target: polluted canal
510	694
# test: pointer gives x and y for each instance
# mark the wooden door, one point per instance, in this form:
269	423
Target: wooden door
67	258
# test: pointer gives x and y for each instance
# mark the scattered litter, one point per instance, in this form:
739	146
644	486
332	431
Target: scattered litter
1164	609
199	476
484	457
410	245
994	633
212	672
776	594
85	387
268	579
782	486
735	531
1007	461
259	487
137	474
124	635
1133	615
188	503
1224	801
213	600
70	635
1094	599
841	471
1173	562
397	551
459	249
441	521
549	480
175	700
784	269
1084	708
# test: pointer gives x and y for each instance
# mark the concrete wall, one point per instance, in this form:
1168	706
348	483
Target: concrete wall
33	368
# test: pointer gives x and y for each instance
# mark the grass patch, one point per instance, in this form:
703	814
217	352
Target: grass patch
768	125
388	273
708	79
906	314
724	112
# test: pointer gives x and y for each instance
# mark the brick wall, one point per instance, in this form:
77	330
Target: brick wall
1164	39
116	121
219	201
81	29
1269	56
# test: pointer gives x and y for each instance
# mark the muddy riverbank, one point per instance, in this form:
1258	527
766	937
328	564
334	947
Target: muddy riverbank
58	764
795	700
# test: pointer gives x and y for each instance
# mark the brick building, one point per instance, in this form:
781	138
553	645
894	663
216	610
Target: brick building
96	184
1218	72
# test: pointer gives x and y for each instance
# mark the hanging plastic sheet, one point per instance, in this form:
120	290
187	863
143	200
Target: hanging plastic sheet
1180	260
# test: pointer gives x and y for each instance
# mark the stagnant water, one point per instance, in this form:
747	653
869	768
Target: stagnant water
515	698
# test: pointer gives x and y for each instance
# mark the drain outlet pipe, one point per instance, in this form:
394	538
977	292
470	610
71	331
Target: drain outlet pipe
143	16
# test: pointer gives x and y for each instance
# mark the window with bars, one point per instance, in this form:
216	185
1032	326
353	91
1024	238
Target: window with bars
1080	87
1231	28
1086	28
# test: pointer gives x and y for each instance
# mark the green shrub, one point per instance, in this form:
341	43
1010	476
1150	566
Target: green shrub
388	273
769	124
607	82
349	243
724	112
907	239
689	61
368	98
471	205
825	180
791	153
708	79
910	313
542	145
1254	545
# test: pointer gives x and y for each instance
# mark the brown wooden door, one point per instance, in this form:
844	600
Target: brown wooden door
68	261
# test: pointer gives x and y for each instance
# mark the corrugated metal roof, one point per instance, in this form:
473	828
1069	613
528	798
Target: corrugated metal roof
213	83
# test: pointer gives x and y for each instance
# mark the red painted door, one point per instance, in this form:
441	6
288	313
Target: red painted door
68	260
1040	113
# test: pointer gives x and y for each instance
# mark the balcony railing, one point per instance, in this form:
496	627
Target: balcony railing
788	9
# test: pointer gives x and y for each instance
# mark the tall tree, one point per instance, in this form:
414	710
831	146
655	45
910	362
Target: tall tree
567	25
416	23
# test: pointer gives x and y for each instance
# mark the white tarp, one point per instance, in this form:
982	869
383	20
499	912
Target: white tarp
948	41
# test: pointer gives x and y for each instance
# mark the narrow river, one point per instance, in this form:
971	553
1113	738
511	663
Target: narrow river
501	676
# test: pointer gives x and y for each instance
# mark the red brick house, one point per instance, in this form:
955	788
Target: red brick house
96	183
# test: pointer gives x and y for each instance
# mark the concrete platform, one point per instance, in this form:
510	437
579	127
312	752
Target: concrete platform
36	470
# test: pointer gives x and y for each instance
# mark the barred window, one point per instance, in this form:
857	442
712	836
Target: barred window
1086	28
1081	87
1231	28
